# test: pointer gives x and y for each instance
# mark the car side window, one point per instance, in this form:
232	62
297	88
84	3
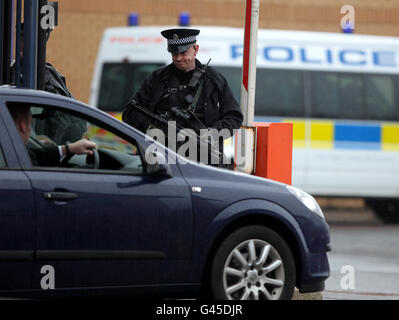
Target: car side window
59	126
115	152
51	129
2	159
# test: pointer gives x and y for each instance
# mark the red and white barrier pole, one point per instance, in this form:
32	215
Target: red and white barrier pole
246	138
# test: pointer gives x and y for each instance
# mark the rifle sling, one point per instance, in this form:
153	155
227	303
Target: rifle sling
193	106
193	82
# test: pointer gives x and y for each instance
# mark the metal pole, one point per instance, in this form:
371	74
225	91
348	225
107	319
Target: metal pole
249	61
12	49
245	145
30	44
41	50
5	40
18	45
1	40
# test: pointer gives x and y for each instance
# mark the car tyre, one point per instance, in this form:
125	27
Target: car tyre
253	263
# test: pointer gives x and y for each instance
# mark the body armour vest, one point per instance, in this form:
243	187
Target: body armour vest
180	95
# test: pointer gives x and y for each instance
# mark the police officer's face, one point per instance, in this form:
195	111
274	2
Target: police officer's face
185	61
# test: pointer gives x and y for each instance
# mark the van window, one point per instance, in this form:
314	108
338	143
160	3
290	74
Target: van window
119	81
354	96
380	97
278	92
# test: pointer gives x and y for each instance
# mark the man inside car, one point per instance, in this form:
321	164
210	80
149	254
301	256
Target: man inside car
50	155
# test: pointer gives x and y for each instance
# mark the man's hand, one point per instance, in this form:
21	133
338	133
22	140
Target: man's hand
83	146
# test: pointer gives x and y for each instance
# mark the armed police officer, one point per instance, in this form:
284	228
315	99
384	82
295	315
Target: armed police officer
193	95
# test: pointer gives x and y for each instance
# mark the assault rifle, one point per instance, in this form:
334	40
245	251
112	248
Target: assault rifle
164	124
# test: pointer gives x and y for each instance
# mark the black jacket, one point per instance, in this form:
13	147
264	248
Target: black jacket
221	110
60	127
48	156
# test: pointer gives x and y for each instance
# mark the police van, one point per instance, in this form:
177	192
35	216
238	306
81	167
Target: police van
339	90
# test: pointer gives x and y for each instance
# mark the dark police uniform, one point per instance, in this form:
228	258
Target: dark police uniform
60	127
169	87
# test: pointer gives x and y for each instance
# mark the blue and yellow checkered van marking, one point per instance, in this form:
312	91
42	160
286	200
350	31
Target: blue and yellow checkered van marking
342	134
338	134
390	137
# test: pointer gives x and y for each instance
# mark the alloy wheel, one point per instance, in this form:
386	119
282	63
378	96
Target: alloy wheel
253	271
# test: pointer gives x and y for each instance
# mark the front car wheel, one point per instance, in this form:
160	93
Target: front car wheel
253	263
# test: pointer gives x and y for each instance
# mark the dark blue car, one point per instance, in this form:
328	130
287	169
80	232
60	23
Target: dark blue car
112	222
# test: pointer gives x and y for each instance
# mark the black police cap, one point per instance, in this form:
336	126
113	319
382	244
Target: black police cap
179	40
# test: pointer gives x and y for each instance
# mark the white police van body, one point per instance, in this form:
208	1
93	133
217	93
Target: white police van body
339	90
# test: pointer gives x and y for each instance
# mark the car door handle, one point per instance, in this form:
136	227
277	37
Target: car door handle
60	196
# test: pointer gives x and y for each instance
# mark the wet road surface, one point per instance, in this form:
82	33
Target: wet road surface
364	260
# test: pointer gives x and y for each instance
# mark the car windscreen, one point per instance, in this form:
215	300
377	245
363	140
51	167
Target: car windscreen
119	81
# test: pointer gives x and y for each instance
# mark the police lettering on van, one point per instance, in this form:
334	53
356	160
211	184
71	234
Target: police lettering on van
321	56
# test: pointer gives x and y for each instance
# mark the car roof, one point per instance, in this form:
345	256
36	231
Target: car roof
14	91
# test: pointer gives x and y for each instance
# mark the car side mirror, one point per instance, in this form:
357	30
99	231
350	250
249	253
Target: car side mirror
158	167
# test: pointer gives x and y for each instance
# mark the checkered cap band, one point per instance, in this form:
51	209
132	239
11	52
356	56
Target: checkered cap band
185	40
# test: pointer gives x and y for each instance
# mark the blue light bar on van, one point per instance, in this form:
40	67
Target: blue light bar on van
133	19
184	19
348	28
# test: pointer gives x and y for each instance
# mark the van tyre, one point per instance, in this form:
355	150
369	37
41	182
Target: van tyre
386	210
253	263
